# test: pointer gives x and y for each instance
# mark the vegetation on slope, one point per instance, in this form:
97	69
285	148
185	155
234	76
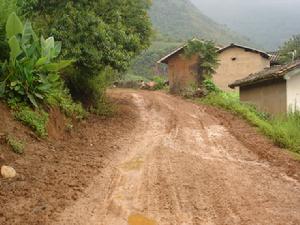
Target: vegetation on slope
29	78
145	64
98	34
105	37
283	130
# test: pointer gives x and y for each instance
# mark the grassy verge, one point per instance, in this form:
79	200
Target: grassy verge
16	145
36	120
283	130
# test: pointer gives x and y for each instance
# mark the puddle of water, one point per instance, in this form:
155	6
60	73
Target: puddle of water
134	164
140	220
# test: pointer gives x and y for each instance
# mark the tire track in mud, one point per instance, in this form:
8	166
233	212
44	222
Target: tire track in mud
183	167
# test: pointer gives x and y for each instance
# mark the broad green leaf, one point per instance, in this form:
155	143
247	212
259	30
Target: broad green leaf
42	61
39	95
50	42
32	100
47	46
14	26
28	33
31	50
15	49
57	49
44	87
58	66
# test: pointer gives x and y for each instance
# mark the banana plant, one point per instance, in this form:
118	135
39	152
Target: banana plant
32	71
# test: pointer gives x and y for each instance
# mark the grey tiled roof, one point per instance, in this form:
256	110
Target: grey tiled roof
272	73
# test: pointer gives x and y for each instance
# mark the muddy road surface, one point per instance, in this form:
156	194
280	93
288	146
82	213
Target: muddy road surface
181	166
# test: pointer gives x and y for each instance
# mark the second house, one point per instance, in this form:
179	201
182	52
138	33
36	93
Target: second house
235	62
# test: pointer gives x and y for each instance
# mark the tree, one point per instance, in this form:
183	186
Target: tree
6	8
208	57
290	50
97	33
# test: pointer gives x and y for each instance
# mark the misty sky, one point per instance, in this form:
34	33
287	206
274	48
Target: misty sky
267	22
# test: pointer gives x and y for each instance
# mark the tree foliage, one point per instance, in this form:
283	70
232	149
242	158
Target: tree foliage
97	33
6	8
145	64
208	56
290	50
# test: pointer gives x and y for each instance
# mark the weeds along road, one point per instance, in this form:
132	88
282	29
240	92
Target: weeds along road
182	167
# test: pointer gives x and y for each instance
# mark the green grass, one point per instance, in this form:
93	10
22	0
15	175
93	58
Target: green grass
62	99
283	130
16	145
160	82
36	120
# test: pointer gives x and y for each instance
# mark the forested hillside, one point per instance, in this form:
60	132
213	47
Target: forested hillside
174	22
180	19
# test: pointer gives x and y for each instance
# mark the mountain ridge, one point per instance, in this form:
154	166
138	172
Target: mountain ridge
181	20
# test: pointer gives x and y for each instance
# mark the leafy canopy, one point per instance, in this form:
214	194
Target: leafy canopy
98	33
208	56
290	50
6	8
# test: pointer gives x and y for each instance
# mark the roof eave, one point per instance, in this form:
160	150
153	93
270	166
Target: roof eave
263	54
165	59
249	83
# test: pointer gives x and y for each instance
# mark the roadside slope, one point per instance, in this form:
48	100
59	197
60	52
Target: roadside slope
52	174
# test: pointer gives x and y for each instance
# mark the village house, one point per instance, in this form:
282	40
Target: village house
275	90
235	62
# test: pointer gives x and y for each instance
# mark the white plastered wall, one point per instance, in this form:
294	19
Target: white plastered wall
293	90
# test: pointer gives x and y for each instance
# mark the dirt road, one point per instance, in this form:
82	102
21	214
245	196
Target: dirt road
181	166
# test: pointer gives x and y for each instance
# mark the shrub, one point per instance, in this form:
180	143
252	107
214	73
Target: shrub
31	73
95	88
6	8
16	145
36	120
283	130
160	83
210	86
96	33
290	50
64	101
207	53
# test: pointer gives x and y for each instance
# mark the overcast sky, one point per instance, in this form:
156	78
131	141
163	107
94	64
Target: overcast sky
260	20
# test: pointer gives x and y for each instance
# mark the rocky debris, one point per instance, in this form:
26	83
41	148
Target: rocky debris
149	85
8	172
